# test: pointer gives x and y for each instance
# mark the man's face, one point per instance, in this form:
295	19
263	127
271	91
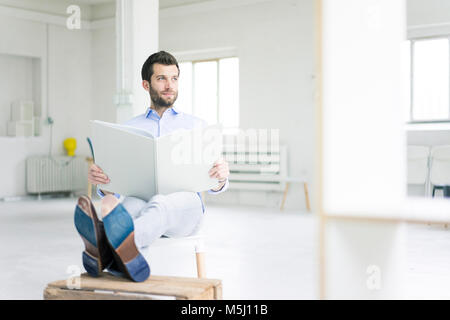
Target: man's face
163	85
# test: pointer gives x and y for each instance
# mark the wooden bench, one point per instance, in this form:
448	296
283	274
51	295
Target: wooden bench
261	170
108	287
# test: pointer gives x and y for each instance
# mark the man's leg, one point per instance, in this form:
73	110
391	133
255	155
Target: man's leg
119	230
134	206
174	215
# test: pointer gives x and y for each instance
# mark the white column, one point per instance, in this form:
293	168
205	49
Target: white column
362	147
137	38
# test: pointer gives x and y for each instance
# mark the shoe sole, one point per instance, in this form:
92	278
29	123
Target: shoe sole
119	229
94	260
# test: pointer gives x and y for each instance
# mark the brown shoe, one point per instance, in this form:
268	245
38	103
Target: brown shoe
98	254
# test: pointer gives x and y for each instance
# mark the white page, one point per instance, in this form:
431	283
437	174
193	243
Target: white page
184	158
127	158
123	127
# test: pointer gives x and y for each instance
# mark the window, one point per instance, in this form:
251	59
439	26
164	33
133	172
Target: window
430	80
210	90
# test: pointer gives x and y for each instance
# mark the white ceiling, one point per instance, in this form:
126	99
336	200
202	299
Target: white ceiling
93	2
162	3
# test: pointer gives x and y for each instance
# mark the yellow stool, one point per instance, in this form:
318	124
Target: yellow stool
70	144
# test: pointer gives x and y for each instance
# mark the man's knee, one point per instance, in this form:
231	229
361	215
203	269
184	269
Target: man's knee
133	205
158	200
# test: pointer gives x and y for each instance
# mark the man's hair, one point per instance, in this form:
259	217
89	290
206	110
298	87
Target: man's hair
161	57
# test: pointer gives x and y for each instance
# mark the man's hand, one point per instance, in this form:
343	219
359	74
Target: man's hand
220	171
97	176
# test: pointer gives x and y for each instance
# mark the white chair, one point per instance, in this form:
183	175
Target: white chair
439	167
418	167
196	241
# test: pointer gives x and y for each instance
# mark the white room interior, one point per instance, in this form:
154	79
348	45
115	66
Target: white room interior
258	250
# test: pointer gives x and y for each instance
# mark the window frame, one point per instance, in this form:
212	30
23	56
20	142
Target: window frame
217	60
411	79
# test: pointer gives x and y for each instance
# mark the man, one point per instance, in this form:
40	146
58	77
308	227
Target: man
131	224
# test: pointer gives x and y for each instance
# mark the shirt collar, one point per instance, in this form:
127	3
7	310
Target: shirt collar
150	111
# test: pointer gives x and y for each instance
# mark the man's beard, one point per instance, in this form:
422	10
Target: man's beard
158	100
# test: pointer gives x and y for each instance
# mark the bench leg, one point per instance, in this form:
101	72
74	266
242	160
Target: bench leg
286	189
200	258
305	186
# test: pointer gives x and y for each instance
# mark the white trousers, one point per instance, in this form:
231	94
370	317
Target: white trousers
177	214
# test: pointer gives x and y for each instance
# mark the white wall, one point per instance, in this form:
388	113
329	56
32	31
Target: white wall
103	81
69	86
81	84
274	41
15	150
425	12
18	69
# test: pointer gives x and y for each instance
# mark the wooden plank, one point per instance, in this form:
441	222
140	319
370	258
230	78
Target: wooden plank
191	281
205	295
218	292
67	294
120	288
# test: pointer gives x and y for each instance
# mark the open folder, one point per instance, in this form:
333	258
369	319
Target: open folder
141	165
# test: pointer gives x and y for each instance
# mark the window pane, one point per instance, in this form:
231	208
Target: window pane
229	92
406	79
184	101
431	80
205	91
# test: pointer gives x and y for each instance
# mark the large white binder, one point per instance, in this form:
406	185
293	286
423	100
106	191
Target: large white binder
141	165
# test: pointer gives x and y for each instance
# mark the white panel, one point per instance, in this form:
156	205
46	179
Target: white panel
364	144
418	164
137	38
145	35
364	260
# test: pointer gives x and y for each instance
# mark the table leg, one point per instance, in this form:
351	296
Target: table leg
286	189
305	186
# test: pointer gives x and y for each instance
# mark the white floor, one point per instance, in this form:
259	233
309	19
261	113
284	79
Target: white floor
258	253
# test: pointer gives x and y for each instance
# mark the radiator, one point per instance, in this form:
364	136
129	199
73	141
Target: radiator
55	174
251	169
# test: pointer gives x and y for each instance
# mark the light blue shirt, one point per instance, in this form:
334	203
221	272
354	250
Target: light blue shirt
159	126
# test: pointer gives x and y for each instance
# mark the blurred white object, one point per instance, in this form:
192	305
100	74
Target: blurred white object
22	122
418	166
22	110
440	167
37	126
21	128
